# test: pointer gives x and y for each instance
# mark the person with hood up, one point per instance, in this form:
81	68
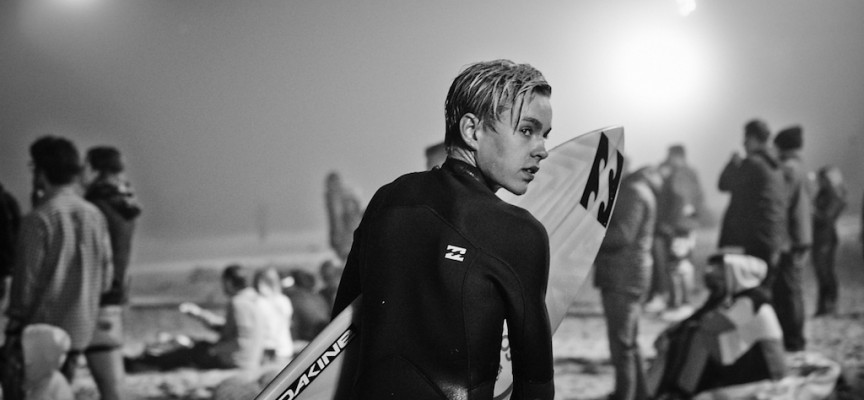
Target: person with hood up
734	338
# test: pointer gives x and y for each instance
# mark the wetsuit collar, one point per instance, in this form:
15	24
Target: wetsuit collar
462	168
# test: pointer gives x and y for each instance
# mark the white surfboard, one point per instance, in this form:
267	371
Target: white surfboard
572	196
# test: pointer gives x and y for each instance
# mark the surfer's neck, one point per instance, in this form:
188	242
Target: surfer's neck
467	156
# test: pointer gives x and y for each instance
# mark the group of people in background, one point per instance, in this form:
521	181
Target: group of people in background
778	220
68	269
66	262
68	258
264	316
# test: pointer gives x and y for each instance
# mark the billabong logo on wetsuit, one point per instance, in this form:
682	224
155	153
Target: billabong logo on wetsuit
604	211
455	253
317	367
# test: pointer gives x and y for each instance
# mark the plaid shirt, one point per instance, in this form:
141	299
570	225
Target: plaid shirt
63	266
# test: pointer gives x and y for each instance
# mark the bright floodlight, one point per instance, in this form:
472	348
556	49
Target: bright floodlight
685	7
659	69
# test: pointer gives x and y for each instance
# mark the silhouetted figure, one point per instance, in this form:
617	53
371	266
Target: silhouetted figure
108	189
828	205
734	338
680	210
623	275
788	296
343	213
331	274
755	219
63	260
10	223
311	309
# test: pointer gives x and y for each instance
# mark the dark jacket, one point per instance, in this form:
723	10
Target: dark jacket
441	263
756	217
680	203
624	261
118	204
827	206
10	223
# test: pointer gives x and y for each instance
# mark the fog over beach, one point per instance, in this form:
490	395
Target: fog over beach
231	113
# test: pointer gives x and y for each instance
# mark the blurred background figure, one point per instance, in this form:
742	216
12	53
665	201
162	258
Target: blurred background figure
623	274
278	312
680	210
311	310
734	338
788	296
829	202
63	259
755	219
10	222
343	214
435	155
241	334
331	274
106	187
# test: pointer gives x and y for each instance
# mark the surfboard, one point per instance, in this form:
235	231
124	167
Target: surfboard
572	195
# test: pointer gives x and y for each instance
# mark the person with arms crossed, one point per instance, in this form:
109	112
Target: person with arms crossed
441	262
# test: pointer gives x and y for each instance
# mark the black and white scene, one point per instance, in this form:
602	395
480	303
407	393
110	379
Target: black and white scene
572	200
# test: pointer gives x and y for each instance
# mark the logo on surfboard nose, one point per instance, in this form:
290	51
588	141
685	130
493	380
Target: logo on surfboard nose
455	253
603	168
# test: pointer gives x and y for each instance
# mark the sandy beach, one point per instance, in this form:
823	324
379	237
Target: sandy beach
583	369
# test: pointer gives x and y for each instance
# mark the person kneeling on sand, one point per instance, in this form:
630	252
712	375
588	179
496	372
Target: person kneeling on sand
241	334
733	338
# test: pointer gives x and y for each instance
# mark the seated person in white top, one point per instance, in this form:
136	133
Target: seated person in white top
734	338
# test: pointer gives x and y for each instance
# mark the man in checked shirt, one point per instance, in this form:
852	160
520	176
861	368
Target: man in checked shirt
63	259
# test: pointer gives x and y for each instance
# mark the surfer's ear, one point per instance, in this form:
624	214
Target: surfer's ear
468	126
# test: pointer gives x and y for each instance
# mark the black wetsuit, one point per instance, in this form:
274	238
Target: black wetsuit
441	262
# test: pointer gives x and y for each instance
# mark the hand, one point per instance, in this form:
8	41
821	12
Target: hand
190	309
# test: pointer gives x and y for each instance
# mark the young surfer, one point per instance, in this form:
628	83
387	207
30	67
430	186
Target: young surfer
442	262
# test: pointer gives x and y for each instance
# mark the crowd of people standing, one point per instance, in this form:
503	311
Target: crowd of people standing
779	220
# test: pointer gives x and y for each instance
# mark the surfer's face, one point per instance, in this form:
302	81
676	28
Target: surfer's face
509	150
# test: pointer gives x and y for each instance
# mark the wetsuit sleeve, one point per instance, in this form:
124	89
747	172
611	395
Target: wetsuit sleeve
529	329
350	284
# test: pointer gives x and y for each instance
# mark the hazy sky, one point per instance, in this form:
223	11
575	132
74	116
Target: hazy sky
224	108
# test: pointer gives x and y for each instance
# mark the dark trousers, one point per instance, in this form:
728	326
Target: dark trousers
823	264
788	298
660	280
622	326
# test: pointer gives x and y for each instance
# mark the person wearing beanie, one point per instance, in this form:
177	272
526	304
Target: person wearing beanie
755	219
787	287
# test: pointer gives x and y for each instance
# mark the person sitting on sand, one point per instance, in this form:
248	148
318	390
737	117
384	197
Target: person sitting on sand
733	338
278	311
241	333
311	310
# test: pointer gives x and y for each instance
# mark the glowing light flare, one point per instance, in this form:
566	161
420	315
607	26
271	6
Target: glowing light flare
659	69
685	7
